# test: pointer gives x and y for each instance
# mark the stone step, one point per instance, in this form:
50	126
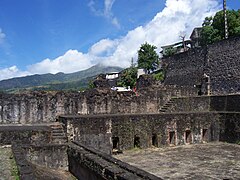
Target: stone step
60	137
56	127
57	131
58	134
166	106
59	142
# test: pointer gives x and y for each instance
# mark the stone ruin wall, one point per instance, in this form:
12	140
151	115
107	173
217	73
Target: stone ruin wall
220	61
36	135
34	149
42	107
185	69
157	130
224	103
99	131
89	163
223	66
40	162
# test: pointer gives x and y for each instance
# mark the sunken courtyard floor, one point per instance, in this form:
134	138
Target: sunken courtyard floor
198	161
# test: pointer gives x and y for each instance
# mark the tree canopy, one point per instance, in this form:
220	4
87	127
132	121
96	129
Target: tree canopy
148	59
213	27
128	77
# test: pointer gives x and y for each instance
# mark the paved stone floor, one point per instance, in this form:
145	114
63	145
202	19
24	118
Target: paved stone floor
199	161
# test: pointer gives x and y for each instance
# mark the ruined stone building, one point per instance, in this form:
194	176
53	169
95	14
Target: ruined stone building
197	102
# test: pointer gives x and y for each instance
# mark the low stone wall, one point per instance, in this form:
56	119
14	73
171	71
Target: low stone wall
92	132
164	129
143	130
225	103
230	127
28	134
25	168
87	163
52	156
40	162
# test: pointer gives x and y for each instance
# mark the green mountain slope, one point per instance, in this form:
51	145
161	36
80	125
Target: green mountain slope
59	81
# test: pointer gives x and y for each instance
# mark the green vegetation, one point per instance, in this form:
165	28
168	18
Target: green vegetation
8	167
14	171
128	77
170	51
159	76
148	59
90	84
213	27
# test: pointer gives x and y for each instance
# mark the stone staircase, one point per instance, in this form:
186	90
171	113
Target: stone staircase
58	134
166	106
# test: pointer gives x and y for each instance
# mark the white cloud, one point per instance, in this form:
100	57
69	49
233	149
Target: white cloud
104	47
177	16
106	12
108	6
71	61
11	72
2	36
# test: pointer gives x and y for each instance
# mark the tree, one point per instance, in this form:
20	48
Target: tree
148	59
214	29
182	37
91	84
128	77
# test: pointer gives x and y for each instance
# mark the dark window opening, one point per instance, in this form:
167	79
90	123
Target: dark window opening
172	137
154	140
204	134
137	141
199	88
188	136
115	142
206	79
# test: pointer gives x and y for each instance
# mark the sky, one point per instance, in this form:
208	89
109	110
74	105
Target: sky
50	36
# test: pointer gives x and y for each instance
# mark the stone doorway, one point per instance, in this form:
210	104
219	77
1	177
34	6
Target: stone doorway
115	142
154	140
188	137
205	135
172	137
136	141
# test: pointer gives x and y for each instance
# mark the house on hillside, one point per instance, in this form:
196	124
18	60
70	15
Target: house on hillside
176	48
112	78
182	46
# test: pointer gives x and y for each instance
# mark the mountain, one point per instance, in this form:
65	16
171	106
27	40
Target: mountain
59	81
